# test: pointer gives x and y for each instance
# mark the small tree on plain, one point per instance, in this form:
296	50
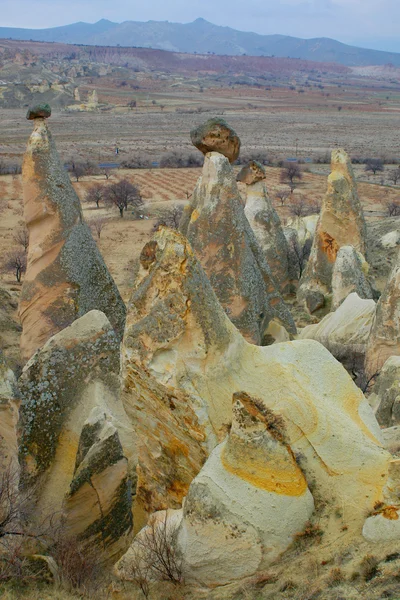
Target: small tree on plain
171	218
282	194
21	237
97	225
122	194
15	261
375	165
107	173
394	175
78	170
290	173
95	194
298	207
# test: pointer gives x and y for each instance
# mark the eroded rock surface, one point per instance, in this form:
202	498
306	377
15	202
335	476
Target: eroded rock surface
348	276
384	340
60	442
385	394
222	239
215	135
9	401
341	223
66	276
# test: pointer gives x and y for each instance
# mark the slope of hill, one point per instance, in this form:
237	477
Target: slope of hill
203	37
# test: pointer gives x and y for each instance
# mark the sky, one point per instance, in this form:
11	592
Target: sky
367	23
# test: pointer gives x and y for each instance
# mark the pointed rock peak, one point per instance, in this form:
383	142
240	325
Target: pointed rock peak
38	111
215	135
340	161
251	173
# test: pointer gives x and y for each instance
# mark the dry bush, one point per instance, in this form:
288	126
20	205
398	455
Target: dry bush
393	208
177	159
369	567
10	168
97	225
21	237
298	207
336	577
79	567
170	218
137	161
282	194
312	533
95	194
14	261
122	194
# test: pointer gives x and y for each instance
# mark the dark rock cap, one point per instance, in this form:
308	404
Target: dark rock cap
251	173
215	135
38	111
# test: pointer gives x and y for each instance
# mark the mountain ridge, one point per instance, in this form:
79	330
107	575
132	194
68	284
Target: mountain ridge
202	37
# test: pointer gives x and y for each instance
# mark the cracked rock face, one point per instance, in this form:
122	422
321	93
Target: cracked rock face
217	228
385	394
341	223
66	276
75	441
385	334
348	276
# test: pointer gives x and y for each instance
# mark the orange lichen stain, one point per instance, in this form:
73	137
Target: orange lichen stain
390	512
178	489
195	216
282	477
329	246
175	447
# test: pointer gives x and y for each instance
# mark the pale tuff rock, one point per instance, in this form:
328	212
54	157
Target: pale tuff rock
93	98
9	401
75	372
99	503
295	254
267	229
222	239
305	227
247	502
178	333
341	223
383	526
385	395
348	276
215	135
346	331
66	276
391	438
385	334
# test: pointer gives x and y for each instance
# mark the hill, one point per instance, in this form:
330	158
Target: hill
203	37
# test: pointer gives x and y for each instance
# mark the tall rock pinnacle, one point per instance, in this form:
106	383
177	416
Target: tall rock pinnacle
66	276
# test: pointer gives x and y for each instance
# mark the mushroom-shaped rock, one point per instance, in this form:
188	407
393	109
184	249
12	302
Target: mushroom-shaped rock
267	228
66	276
215	135
348	276
251	173
217	228
345	332
76	371
182	360
39	111
341	223
385	334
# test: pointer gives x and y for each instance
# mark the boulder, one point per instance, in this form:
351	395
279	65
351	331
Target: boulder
215	135
222	239
251	173
268	231
346	331
385	394
341	223
179	336
348	276
42	111
385	333
66	276
64	447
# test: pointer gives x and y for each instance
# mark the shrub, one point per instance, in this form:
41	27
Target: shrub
122	194
177	160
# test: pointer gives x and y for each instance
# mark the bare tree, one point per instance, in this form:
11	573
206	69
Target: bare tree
78	170
393	208
282	194
122	194
97	225
21	237
95	193
170	218
374	164
15	261
394	175
290	173
132	104
107	173
298	206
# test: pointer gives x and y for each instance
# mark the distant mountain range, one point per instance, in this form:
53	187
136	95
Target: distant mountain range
203	37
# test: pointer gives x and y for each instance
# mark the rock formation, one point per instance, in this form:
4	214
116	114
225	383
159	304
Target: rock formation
66	275
346	331
265	223
222	239
215	135
10	328
341	223
9	401
385	334
74	434
348	276
178	335
385	394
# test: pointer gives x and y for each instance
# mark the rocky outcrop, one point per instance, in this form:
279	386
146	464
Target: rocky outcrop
10	328
385	394
178	334
266	224
9	401
72	425
215	135
341	223
66	276
346	331
247	503
385	334
222	239
348	276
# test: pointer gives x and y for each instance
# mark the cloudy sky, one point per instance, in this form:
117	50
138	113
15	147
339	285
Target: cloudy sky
368	23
